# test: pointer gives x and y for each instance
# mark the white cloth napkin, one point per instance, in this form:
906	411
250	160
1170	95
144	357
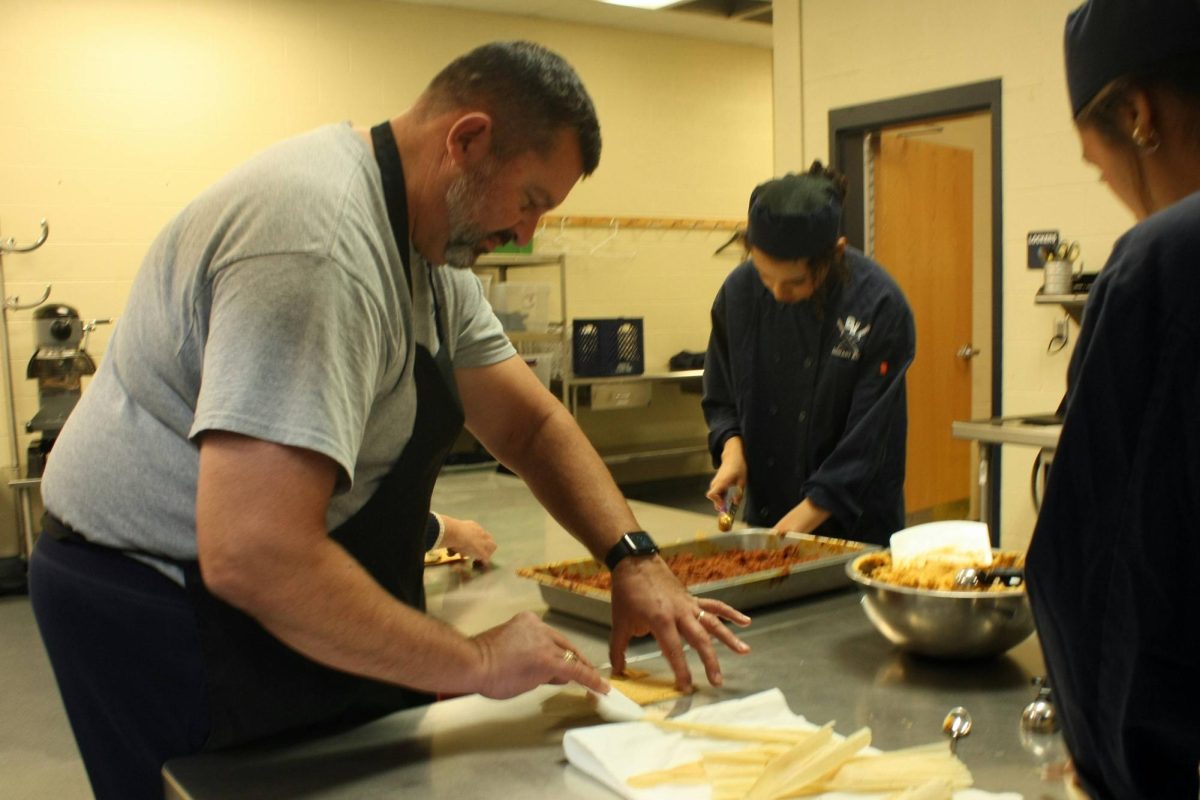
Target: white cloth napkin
612	753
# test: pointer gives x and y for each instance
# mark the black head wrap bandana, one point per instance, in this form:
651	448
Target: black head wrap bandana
796	216
1109	39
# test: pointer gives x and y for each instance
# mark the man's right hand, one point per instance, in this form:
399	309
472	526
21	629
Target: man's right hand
648	598
525	653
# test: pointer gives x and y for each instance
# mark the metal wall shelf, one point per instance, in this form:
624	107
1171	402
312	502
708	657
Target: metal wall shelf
1072	303
573	389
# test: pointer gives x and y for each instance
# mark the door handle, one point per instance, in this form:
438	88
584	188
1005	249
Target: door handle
967	352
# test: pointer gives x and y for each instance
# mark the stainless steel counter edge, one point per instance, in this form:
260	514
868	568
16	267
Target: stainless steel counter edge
1003	430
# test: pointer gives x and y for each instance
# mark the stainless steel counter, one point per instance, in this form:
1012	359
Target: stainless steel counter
1032	430
822	652
1040	430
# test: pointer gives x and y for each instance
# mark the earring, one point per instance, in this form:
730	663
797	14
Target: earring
1147	143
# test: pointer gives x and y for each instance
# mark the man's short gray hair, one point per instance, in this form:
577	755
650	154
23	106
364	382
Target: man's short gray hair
530	92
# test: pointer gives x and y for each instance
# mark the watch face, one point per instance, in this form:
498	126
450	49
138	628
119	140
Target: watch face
634	543
641	543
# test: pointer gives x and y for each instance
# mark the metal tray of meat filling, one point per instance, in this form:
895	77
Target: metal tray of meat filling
817	565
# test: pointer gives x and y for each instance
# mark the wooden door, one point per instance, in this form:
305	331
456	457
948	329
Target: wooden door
923	238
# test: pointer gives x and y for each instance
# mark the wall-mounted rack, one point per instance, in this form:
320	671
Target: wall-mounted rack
652	223
1071	303
23	507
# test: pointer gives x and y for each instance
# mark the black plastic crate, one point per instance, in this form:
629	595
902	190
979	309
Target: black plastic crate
610	346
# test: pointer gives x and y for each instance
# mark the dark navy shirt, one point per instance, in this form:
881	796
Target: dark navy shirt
816	391
1114	566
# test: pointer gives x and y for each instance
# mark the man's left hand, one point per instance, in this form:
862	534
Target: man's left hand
648	598
468	537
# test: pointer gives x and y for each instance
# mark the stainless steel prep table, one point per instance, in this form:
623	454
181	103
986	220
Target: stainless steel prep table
1036	430
822	652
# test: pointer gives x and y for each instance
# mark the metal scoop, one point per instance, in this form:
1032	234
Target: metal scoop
957	724
729	507
971	578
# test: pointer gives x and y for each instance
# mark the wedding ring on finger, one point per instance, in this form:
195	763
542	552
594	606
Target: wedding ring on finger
700	616
568	656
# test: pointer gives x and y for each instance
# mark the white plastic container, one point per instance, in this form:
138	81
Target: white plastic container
522	306
542	365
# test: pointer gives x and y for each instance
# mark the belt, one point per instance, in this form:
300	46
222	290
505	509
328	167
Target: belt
61	531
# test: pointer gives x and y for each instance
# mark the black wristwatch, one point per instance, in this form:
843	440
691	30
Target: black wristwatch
634	543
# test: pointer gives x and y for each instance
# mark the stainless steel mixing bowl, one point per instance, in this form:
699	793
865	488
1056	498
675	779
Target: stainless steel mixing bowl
954	624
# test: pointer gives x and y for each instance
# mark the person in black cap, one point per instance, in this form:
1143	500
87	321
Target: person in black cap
1114	563
804	378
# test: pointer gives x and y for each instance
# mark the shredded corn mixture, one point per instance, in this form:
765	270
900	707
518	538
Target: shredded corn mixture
932	574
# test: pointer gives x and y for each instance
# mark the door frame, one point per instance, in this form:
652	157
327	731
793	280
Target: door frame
847	128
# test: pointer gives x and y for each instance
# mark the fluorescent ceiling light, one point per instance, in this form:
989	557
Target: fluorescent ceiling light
647	4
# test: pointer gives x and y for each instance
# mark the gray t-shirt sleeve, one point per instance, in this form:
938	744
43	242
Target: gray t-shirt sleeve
479	338
293	355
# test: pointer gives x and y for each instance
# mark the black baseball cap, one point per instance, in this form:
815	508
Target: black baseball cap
1109	39
796	216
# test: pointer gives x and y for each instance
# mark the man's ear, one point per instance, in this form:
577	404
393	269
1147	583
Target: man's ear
470	139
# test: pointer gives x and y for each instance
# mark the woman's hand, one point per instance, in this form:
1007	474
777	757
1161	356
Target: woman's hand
804	518
731	474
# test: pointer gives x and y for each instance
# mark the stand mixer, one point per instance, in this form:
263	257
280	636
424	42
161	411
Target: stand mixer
58	364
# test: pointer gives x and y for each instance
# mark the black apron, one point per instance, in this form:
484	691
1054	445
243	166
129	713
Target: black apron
258	686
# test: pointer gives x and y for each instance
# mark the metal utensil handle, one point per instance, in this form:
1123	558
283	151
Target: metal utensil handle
1009	576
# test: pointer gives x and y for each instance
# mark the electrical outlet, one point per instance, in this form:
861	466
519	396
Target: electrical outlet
1061	338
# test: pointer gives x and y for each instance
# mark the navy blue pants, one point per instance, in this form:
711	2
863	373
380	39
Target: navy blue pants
122	639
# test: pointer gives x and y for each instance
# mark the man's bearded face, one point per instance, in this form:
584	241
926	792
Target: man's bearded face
466	203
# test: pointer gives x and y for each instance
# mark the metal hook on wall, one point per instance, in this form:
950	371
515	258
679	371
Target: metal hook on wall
603	249
614	228
560	242
15	303
10	245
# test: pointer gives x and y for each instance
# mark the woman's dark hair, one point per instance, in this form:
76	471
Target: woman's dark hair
830	263
839	181
530	92
1179	76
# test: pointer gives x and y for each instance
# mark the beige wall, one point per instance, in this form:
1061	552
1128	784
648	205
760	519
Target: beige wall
861	51
116	112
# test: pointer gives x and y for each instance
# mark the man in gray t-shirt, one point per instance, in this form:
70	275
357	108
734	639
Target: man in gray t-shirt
236	508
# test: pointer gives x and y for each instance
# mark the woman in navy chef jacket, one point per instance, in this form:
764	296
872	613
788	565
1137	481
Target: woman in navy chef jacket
1114	566
804	390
